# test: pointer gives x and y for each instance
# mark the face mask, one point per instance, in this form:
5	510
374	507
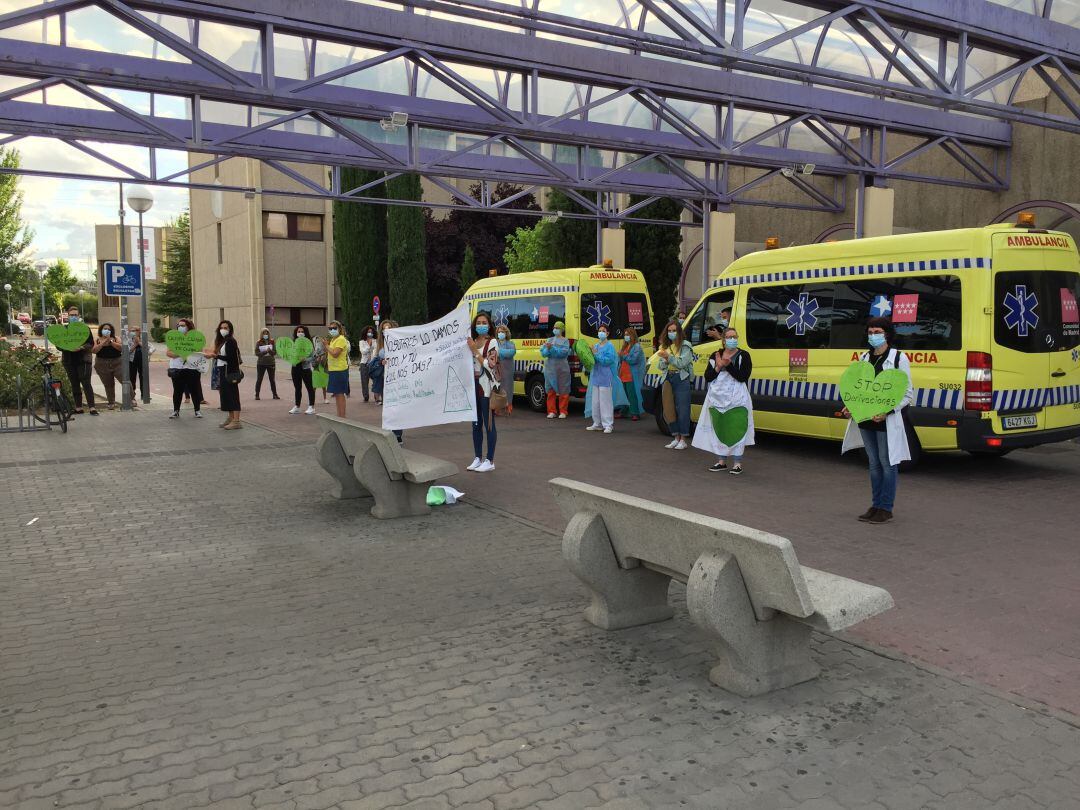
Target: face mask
106	332
679	321
602	336
626	338
557	332
223	332
503	336
731	343
722	323
876	341
672	335
73	318
299	335
182	330
266	337
482	329
333	332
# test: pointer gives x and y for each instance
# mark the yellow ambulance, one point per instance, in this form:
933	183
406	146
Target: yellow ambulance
531	303
987	316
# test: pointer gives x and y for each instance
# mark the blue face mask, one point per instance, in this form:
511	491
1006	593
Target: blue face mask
333	332
672	335
556	332
626	338
73	318
875	341
731	343
601	336
481	329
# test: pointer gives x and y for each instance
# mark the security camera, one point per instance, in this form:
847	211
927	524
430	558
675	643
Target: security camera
399	119
808	168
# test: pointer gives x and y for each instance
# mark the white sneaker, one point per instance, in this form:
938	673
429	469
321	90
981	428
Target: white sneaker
174	415
608	430
310	410
551	416
486	466
671	445
198	414
294	409
474	465
681	445
562	415
594	427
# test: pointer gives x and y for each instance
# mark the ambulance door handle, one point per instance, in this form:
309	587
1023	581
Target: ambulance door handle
1058	373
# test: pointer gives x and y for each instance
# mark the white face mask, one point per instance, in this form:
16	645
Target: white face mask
182	330
106	332
223	332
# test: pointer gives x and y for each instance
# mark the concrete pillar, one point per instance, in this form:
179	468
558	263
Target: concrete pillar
874	212
721	242
613	246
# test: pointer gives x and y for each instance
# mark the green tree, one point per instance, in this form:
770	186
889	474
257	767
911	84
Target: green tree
59	280
568	242
360	250
172	296
654	250
529	249
405	265
15	236
468	269
87	304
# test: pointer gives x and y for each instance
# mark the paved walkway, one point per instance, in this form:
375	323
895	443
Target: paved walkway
240	639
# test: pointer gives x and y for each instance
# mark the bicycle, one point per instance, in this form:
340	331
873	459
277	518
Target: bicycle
57	409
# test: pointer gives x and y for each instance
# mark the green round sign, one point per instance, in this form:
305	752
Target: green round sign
68	337
184	344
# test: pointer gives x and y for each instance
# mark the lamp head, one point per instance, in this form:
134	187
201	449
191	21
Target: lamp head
140	199
41	266
7	288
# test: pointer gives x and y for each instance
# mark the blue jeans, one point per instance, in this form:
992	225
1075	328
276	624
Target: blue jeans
680	390
882	473
485	423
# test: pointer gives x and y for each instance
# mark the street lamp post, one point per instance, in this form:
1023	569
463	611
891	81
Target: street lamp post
42	267
10	313
141	201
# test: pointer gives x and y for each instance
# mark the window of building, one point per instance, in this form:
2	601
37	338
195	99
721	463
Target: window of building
617	310
926	312
531	317
795	316
305	227
295	316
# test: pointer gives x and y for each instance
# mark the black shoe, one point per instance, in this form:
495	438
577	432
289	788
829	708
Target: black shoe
881	516
276	396
256	396
869	513
737	469
718	467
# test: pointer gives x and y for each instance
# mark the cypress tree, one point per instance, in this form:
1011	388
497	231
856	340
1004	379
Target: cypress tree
173	295
360	251
654	250
405	265
468	269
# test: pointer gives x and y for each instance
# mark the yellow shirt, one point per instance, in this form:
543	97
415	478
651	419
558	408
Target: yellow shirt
341	362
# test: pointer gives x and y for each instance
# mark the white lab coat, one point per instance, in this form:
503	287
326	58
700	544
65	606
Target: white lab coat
894	423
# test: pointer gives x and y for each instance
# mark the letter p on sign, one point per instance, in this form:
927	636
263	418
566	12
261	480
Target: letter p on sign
117	272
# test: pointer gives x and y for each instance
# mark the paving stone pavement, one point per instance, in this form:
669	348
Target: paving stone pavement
240	639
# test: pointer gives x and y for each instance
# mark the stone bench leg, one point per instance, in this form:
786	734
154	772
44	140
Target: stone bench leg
756	656
394	498
620	597
334	460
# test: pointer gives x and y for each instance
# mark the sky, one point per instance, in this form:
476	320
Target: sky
62	212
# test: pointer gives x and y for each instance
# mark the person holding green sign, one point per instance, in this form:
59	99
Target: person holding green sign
185	365
875	391
77	363
726	424
301	369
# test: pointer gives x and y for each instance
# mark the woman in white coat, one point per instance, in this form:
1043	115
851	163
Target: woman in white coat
728	373
884	437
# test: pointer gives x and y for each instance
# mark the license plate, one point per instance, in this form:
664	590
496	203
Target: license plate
1028	420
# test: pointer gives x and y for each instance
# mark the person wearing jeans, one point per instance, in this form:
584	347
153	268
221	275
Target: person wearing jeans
78	365
485	368
677	367
883	436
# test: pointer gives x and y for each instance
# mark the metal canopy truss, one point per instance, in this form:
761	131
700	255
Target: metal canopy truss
315	80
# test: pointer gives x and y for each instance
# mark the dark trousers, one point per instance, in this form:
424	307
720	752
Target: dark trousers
186	381
303	376
134	370
485	423
365	377
79	376
264	371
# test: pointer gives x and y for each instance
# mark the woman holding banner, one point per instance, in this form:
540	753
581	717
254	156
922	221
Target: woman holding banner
884	436
485	352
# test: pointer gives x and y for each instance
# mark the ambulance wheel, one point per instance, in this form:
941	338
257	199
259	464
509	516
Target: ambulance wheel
534	389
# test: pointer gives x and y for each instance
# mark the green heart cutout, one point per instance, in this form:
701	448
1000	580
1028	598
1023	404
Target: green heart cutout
868	395
730	426
292	351
68	337
319	378
184	344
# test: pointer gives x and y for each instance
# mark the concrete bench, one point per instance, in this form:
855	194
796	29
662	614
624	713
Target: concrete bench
742	585
367	460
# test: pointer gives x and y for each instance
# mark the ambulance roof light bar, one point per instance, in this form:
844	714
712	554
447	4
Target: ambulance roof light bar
772	243
1025	219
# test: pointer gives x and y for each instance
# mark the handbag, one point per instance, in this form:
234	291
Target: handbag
234	377
375	368
174	372
497	399
215	378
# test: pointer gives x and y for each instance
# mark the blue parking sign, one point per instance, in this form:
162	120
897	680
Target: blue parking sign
123	279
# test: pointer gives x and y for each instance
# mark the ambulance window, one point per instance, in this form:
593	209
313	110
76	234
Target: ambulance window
1065	302
926	311
527	317
715	309
617	310
789	317
1024	311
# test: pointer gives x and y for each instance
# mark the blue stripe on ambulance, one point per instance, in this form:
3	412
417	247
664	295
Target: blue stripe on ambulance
514	293
857	270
